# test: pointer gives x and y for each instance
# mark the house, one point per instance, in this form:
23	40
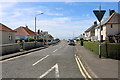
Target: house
81	36
109	27
23	33
43	34
50	36
7	35
90	32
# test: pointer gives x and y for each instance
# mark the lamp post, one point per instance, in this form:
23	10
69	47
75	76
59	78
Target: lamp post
35	22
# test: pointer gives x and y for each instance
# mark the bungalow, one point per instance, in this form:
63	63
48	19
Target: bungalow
90	32
50	36
7	35
23	33
109	27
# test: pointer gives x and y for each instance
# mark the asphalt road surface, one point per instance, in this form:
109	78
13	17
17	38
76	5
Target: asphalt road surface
54	62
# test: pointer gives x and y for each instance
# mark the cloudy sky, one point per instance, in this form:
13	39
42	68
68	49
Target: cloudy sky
61	19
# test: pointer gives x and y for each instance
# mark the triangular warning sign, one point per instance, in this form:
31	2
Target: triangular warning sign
99	14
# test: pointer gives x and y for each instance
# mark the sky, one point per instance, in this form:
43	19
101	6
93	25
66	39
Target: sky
63	20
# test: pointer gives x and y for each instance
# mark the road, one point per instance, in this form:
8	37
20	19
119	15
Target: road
54	62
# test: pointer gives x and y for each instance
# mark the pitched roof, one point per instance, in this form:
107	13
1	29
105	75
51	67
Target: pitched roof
5	28
92	27
113	19
24	31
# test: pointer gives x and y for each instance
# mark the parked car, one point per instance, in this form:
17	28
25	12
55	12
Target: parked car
71	42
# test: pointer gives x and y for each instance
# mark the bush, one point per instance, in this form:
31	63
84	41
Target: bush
49	40
31	39
81	39
93	46
57	39
77	40
114	50
111	50
40	40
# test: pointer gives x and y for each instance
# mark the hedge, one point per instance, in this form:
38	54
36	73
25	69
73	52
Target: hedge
111	50
93	46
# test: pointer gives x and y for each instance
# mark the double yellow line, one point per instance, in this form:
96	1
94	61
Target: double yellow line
82	69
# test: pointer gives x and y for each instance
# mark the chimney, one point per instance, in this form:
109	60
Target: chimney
38	31
95	23
26	26
111	12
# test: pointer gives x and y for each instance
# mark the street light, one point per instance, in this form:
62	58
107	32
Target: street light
35	22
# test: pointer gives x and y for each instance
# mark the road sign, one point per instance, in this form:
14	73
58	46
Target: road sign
99	14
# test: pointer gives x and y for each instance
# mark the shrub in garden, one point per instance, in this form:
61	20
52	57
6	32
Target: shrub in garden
40	40
111	50
93	46
31	39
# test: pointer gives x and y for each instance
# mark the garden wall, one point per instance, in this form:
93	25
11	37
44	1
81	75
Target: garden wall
9	48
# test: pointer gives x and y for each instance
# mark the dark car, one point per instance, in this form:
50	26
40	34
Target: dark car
71	42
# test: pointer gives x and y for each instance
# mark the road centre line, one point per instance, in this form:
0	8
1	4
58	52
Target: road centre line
55	50
40	60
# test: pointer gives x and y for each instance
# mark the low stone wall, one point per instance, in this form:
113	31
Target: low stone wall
31	45
39	44
54	42
9	48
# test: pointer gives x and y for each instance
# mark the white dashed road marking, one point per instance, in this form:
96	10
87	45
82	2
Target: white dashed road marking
40	60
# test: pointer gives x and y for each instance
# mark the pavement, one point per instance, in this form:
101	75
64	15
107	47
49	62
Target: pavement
53	62
98	68
20	53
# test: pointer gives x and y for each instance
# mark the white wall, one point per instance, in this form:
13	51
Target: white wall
97	34
107	30
114	30
104	33
87	35
9	48
5	37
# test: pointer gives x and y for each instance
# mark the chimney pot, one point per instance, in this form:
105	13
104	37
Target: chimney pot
95	23
111	12
38	31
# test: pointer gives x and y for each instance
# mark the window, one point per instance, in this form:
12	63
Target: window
111	26
10	37
101	28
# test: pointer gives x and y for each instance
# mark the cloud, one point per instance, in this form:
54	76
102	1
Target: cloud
59	27
54	14
62	19
5	5
58	8
86	15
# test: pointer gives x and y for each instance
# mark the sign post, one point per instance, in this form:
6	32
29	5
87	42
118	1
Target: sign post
99	14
